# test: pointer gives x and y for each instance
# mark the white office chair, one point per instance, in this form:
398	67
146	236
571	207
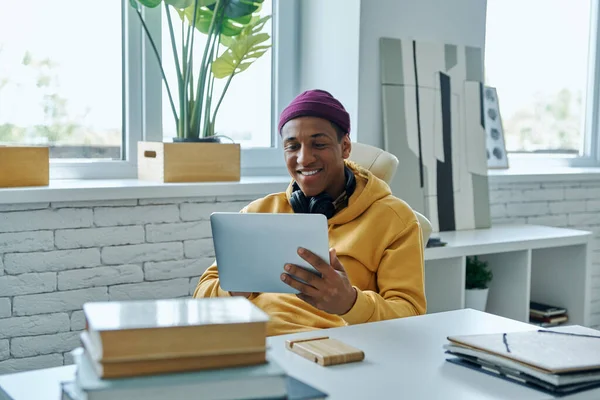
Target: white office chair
383	165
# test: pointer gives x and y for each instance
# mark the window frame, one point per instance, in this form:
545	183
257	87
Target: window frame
590	151
132	113
142	97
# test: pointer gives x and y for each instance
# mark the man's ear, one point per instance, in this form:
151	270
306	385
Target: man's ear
346	146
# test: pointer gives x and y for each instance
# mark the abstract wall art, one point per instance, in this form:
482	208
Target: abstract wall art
433	121
494	138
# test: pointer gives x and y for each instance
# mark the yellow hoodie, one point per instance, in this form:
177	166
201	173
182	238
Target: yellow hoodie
378	241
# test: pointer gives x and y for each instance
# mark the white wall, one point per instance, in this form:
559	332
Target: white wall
456	22
329	37
339	46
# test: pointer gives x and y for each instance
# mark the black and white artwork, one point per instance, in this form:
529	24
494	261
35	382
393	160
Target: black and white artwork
494	141
433	121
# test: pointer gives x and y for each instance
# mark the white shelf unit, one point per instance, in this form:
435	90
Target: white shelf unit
529	262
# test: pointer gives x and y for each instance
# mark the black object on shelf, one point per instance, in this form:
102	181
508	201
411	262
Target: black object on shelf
435	242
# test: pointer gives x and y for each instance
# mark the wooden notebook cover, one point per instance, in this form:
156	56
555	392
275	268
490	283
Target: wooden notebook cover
325	351
551	352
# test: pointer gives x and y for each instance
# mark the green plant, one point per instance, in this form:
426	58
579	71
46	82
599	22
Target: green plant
478	274
233	24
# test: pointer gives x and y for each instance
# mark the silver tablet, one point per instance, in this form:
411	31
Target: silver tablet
252	248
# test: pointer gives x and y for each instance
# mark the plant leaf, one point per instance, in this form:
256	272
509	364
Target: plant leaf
226	41
245	49
229	27
234	26
203	18
182	4
240	8
243	20
149	3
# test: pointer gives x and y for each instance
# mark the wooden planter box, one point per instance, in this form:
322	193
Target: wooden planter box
24	166
188	162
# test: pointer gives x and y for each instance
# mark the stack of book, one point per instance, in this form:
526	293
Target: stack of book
177	348
546	315
555	362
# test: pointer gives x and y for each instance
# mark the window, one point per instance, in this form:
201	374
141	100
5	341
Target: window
254	99
90	88
245	114
61	78
536	55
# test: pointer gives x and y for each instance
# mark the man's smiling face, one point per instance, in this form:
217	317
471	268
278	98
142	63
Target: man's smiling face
314	155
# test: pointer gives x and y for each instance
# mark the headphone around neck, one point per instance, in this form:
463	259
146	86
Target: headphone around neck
322	203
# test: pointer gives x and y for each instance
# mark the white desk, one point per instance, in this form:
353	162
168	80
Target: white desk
529	262
403	359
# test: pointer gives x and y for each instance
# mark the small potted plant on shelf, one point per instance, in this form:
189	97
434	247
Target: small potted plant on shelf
234	40
478	277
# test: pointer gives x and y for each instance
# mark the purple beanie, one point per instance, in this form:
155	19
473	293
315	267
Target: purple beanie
316	103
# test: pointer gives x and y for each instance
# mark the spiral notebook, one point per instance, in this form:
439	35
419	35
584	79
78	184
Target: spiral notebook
559	362
549	351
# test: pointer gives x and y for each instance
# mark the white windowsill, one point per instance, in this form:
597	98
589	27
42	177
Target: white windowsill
121	189
543	174
537	168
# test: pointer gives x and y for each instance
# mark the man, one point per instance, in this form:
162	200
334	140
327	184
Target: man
375	266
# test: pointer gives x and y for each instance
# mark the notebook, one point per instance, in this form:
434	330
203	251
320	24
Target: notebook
524	379
261	381
296	390
548	351
545	310
505	364
171	328
559	362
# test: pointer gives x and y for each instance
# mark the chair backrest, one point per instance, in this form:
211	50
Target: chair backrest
383	165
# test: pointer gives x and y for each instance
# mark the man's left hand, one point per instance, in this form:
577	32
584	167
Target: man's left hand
330	292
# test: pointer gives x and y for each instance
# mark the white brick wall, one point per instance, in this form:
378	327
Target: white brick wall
5	307
151	290
4	349
68	300
56	256
570	204
12	285
26	241
29	346
137	253
178	231
29	363
58	260
111	216
99	276
154	271
99	237
77	321
34	325
45	219
198	248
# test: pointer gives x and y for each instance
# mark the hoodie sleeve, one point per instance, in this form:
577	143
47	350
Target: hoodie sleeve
208	285
400	279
